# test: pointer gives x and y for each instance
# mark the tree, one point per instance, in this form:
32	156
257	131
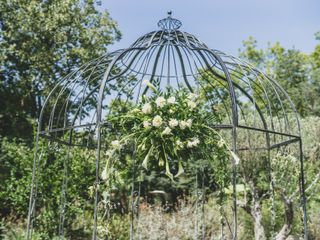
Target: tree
298	74
42	41
295	71
16	175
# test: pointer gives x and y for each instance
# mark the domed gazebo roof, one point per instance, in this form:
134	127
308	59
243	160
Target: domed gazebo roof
244	96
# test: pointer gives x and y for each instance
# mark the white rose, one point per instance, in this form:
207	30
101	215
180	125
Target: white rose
193	143
115	144
157	121
191	104
196	141
179	144
146	124
189	123
146	108
166	131
160	101
183	124
173	123
189	144
171	100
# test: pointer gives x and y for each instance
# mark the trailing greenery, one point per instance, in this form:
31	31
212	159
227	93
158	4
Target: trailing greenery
166	128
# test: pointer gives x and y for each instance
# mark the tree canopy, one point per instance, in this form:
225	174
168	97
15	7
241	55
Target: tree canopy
296	72
40	42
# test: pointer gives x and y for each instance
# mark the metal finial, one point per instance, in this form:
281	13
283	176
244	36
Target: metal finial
169	23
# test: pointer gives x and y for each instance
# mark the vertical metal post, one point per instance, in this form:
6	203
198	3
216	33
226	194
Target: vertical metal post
202	206
197	199
133	193
234	184
96	184
273	215
138	207
303	194
32	199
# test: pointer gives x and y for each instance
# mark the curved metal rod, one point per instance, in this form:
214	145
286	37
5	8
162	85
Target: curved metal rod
243	91
268	106
258	75
183	69
209	82
79	71
228	78
154	68
290	101
274	83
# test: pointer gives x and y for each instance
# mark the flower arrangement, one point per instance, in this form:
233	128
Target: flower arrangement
168	129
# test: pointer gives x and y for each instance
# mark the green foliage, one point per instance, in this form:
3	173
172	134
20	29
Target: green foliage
282	165
42	41
166	128
15	169
164	131
16	175
118	227
296	72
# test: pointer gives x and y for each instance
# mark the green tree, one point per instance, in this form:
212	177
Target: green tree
298	74
315	78
295	71
42	41
16	175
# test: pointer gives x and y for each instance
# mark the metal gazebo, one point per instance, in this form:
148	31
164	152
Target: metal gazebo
253	105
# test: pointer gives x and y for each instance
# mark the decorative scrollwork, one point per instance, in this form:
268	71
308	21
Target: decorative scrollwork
169	23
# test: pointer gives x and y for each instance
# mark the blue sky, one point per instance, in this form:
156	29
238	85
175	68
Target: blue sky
223	24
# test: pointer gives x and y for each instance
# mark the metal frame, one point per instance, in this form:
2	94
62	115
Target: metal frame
174	58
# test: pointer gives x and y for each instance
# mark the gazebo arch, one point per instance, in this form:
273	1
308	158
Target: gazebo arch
250	104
